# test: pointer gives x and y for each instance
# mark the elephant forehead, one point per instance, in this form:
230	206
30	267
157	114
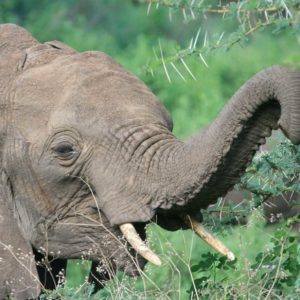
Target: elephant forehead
87	87
108	103
100	86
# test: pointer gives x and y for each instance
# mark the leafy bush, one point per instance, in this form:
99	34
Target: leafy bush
275	273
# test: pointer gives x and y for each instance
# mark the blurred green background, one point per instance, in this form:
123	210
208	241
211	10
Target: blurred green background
125	31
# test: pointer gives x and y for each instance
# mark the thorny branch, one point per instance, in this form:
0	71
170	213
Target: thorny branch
240	7
249	18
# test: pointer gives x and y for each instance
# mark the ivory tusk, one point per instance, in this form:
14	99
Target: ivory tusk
138	244
208	237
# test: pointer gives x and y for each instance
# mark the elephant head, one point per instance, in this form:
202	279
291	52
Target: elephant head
88	153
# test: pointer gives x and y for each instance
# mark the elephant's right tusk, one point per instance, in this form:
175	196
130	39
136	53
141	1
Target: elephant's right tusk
138	244
208	237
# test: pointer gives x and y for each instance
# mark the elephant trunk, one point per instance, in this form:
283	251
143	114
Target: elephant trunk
185	176
211	162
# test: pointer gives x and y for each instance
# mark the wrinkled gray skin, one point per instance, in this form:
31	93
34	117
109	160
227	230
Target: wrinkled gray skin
79	134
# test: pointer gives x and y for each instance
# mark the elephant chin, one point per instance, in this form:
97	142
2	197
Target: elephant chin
83	236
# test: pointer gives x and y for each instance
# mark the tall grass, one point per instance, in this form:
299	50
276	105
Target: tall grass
190	270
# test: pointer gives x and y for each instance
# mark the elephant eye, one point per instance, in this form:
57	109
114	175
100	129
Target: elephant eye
65	151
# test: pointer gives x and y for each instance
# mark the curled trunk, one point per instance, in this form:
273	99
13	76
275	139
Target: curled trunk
210	163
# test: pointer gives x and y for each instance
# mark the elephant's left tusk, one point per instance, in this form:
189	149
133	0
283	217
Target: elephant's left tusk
138	244
208	237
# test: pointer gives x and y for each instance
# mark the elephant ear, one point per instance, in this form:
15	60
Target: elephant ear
41	54
18	276
14	37
19	50
14	40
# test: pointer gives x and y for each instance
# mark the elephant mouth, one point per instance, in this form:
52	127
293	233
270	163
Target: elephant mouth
135	236
134	233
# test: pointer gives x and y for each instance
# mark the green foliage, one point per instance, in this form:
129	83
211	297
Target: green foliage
211	268
276	269
245	17
274	173
275	272
279	266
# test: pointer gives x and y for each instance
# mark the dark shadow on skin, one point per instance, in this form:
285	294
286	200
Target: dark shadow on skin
173	222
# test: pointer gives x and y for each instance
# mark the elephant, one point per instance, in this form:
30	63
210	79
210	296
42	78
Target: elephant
89	158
